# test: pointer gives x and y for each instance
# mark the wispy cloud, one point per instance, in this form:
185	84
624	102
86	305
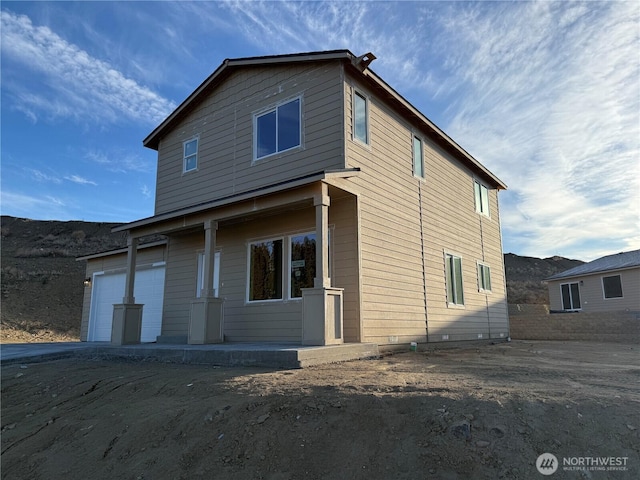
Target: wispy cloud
146	192
548	97
119	162
79	180
82	86
40	176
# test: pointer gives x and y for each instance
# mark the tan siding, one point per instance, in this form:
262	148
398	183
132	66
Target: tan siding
391	243
111	264
224	123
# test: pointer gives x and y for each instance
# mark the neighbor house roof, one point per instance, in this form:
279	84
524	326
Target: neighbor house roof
359	66
617	261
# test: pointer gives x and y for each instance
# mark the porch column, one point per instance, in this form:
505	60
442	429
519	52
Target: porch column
206	315
322	202
322	305
126	326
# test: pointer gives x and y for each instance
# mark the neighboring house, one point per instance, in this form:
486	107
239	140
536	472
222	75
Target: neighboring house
610	283
304	200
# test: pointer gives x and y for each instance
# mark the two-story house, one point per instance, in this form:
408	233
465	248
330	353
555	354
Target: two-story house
304	200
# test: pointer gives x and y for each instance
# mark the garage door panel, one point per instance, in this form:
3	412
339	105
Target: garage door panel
108	290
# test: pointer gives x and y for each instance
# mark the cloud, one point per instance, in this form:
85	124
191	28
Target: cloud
79	180
82	86
20	205
120	162
40	176
547	96
146	192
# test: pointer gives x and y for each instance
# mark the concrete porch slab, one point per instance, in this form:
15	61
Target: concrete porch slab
224	354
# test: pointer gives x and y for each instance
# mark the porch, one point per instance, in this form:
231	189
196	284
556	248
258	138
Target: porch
285	356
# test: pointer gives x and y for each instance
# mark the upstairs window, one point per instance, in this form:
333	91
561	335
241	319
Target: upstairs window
453	268
360	118
418	158
190	155
612	286
484	278
278	129
482	198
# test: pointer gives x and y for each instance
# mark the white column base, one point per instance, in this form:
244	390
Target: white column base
205	321
127	324
322	316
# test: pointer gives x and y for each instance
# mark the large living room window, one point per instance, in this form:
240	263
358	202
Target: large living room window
277	129
453	268
265	270
612	286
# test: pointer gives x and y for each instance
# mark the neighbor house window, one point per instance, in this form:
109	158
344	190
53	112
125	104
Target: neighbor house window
418	158
482	198
278	129
484	277
453	267
265	270
570	296
612	286
190	155
303	263
360	118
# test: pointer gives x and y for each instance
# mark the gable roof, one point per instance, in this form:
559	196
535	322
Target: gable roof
617	261
356	65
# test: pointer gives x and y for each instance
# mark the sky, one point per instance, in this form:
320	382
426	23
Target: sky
544	94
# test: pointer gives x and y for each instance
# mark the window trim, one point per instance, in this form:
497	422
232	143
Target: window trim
358	93
415	137
248	287
478	188
604	292
482	284
268	110
195	138
452	282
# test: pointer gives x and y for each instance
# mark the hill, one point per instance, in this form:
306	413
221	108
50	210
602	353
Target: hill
41	283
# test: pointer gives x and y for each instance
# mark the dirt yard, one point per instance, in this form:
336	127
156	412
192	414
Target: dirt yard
485	413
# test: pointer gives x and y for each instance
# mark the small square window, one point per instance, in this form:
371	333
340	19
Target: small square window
482	198
190	158
360	118
612	286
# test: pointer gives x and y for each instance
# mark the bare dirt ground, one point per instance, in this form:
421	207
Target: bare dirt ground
484	412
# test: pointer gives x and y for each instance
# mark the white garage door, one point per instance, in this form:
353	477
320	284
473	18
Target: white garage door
108	289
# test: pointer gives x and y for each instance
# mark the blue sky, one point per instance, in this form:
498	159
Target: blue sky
545	94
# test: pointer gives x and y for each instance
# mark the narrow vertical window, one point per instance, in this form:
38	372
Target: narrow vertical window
190	157
484	277
418	158
453	267
303	263
360	118
482	198
265	270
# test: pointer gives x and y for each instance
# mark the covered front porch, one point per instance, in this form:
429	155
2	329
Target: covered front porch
268	267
